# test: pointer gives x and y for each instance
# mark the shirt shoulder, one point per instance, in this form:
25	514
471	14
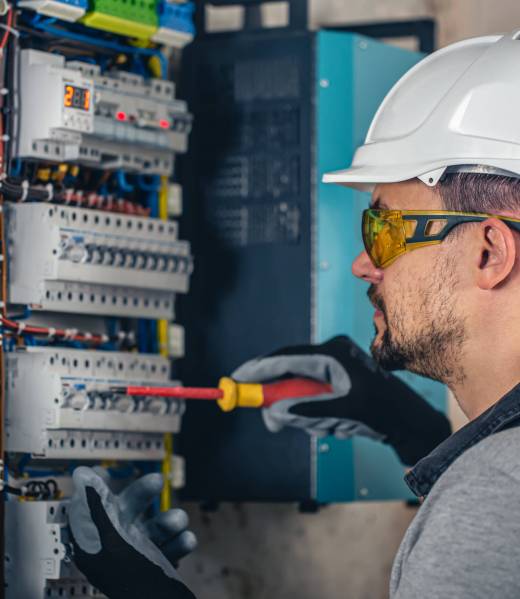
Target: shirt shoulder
498	452
464	540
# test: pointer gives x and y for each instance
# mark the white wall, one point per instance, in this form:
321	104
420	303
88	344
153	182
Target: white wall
346	551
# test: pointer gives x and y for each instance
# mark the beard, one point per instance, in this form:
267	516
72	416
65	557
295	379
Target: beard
423	331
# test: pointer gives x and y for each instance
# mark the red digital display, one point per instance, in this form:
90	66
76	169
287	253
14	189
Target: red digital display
76	97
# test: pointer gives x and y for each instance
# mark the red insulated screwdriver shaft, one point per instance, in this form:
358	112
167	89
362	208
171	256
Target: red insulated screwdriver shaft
181	392
242	394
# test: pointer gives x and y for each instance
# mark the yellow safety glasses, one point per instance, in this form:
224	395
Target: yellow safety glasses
387	234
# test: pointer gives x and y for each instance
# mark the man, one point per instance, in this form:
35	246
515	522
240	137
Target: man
442	260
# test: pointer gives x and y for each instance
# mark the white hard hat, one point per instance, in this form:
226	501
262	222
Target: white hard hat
457	109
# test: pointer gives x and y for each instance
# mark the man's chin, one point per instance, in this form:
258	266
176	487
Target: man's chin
383	352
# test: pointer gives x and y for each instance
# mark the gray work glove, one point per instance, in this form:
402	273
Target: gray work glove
365	400
119	553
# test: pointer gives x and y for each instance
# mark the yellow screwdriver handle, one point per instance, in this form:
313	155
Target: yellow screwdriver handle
239	395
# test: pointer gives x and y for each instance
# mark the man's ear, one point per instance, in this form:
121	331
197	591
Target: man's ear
496	247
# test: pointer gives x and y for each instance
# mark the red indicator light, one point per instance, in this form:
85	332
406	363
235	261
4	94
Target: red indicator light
121	116
164	124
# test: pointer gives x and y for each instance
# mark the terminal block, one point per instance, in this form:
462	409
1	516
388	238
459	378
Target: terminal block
134	19
67	10
38	563
93	262
107	121
60	405
176	27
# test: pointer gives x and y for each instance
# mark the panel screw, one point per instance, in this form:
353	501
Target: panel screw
324	265
324	83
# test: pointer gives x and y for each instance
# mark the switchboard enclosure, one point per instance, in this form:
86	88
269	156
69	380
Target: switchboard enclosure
273	111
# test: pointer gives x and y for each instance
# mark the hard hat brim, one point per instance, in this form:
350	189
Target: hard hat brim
365	178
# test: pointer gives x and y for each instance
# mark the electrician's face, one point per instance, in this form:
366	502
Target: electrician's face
417	322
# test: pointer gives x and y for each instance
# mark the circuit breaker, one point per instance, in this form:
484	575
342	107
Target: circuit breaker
39	540
88	261
61	405
276	249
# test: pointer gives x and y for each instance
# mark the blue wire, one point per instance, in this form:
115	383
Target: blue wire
142	336
100	43
24	460
152	202
121	472
16	167
154	185
123	183
29	340
26	314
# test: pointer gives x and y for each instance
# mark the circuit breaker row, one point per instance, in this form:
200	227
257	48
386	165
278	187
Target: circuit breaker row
61	405
92	262
105	121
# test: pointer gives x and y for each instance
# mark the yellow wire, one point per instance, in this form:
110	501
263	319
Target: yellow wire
162	338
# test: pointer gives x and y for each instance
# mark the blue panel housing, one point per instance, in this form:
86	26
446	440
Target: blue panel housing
353	75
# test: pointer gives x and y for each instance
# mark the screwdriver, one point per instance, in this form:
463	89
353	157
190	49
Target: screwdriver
230	394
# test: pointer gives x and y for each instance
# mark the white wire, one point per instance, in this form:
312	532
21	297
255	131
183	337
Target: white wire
11	30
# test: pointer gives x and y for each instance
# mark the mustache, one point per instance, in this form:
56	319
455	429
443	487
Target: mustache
376	299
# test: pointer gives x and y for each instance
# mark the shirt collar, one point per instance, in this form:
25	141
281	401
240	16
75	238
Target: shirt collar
499	416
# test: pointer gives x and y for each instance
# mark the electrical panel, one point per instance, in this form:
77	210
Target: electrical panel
107	121
91	266
276	247
60	405
38	560
87	261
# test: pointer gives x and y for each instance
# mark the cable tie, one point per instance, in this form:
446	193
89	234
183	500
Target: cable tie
21	327
51	332
104	338
121	335
70	333
88	336
25	190
50	191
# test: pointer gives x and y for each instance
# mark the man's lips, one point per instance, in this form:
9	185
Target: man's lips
378	313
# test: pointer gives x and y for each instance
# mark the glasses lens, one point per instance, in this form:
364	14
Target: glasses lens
383	236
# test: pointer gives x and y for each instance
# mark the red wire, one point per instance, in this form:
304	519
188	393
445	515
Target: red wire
7	31
55	333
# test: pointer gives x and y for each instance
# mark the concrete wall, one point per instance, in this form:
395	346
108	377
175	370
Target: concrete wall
273	552
346	551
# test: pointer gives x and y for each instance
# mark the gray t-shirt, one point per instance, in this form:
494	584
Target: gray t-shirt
464	542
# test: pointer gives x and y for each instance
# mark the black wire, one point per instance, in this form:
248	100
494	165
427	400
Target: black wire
42	490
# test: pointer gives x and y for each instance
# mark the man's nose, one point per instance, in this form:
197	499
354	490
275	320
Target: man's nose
363	268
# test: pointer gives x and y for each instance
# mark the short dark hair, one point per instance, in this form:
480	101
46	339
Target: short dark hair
476	192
